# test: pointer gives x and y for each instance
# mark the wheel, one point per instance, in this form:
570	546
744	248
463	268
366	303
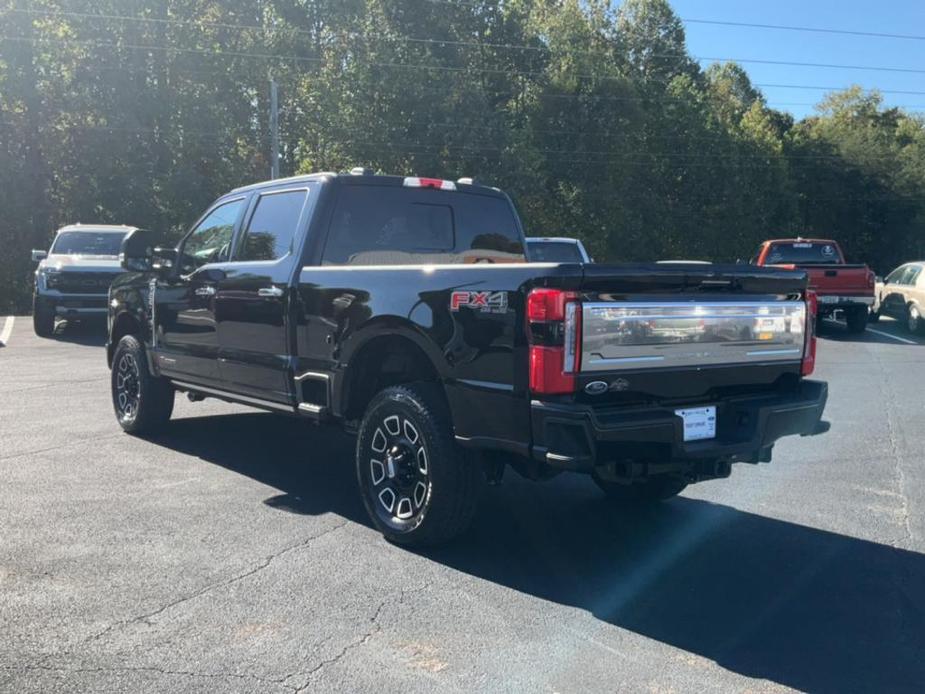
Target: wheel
143	403
651	491
43	319
419	487
856	319
913	319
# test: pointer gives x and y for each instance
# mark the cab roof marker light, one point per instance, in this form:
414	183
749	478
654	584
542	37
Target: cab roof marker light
438	183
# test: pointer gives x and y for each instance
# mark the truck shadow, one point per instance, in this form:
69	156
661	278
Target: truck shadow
769	599
90	333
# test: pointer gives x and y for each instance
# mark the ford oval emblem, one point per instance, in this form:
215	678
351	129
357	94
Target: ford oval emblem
596	388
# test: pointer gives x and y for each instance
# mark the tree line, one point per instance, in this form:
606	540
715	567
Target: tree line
597	121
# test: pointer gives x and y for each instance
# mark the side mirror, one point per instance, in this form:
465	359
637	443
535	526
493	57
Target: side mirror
140	252
165	259
38	256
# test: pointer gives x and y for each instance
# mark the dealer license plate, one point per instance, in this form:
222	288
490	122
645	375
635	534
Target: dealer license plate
699	423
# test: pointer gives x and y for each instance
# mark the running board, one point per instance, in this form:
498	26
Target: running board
312	411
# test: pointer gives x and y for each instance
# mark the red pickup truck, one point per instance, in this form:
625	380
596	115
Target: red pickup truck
838	285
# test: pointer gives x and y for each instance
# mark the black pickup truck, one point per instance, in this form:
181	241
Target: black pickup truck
403	309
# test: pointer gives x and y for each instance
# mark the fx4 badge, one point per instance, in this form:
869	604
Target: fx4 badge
486	302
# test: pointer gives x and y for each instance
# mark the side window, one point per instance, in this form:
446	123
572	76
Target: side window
272	228
894	277
905	275
210	241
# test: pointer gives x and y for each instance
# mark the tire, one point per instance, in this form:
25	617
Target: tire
651	491
43	319
419	487
856	319
143	403
914	321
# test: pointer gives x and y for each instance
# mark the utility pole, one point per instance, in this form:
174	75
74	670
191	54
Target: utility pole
274	130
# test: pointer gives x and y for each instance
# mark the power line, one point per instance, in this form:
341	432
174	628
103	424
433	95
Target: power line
414	66
818	30
451	42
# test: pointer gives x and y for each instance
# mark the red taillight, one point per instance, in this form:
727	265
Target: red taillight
809	346
554	318
871	279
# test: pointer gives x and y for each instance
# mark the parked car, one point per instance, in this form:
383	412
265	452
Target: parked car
901	295
556	249
73	277
449	371
838	285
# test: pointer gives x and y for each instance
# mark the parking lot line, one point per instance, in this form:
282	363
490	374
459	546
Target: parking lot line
894	337
7	331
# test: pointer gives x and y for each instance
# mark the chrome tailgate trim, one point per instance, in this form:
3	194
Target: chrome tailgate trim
623	335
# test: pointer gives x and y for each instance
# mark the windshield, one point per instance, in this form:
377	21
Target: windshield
554	252
102	243
803	253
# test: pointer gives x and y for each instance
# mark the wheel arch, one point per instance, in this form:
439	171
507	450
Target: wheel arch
123	324
385	358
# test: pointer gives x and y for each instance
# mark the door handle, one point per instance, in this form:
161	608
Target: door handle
208	290
270	291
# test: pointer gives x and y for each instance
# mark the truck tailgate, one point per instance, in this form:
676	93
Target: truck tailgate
681	332
839	280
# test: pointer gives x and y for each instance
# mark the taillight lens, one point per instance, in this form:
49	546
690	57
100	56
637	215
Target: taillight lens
554	324
809	344
871	279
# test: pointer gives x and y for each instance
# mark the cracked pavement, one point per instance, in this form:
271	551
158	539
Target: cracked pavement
233	554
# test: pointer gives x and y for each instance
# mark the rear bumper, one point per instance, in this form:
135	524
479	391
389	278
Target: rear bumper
836	302
577	437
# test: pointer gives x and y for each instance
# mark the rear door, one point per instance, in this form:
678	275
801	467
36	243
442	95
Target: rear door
252	305
185	337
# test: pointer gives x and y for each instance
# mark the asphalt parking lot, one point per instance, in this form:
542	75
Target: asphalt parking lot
233	554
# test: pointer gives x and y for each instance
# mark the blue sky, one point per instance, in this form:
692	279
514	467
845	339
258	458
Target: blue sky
883	16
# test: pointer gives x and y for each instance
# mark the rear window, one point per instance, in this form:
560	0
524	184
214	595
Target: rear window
385	225
103	243
553	252
803	253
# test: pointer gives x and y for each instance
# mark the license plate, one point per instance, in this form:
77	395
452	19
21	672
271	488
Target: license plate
699	423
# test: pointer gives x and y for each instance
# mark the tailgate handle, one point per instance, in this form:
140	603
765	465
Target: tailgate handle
831	273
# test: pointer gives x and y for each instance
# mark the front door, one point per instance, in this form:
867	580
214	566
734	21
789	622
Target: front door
186	337
253	301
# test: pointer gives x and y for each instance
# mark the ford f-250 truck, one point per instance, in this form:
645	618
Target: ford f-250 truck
838	286
402	309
